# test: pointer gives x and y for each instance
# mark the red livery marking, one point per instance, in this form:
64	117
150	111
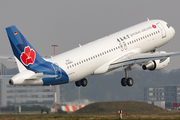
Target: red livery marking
154	26
28	56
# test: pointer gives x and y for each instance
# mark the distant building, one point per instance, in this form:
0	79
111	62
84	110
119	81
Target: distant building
168	94
28	95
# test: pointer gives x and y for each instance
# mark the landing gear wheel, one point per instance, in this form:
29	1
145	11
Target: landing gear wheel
78	83
84	82
123	81
130	81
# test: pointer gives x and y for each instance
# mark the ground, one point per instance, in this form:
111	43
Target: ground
102	110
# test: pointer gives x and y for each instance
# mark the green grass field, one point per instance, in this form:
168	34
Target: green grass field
101	111
81	117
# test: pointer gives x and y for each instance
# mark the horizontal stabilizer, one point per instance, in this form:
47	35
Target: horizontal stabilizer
41	76
6	76
12	58
8	57
35	77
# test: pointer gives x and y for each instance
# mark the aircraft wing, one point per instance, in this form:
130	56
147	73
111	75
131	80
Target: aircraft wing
138	58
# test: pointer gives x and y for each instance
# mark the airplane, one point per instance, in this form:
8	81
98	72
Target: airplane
134	45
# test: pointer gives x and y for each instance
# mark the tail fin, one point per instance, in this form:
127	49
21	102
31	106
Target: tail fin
23	50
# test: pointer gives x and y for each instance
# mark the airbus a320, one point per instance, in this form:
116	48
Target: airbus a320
135	45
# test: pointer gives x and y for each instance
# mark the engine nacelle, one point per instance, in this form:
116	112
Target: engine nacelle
156	64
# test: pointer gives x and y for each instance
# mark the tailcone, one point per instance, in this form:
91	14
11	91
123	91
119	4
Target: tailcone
11	82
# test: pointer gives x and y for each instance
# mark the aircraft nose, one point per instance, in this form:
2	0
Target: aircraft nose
11	82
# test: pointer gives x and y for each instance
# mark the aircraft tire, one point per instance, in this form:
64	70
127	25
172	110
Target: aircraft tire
130	81
84	82
123	81
78	83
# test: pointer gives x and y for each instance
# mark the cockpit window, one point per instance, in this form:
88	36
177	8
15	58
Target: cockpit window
168	25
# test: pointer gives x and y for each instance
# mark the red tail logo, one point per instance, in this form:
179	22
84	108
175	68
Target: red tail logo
28	56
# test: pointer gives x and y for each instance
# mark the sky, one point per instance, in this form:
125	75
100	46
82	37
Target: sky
69	23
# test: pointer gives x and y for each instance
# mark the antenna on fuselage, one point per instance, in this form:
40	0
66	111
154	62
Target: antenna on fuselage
147	19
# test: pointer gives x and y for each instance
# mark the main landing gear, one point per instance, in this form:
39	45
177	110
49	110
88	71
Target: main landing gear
127	80
82	82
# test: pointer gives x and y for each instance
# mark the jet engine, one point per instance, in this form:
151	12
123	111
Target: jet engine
156	64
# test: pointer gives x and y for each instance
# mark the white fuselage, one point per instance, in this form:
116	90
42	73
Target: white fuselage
95	57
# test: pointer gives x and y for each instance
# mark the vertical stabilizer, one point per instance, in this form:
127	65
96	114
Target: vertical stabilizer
25	54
